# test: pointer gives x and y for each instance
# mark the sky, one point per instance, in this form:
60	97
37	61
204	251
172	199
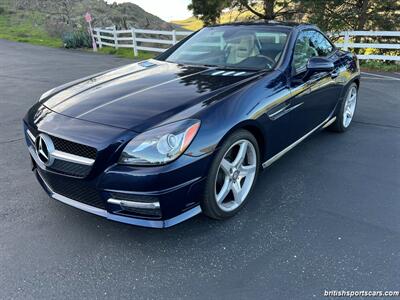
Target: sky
167	10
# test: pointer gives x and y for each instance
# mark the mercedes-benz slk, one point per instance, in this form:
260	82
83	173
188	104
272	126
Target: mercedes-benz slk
156	142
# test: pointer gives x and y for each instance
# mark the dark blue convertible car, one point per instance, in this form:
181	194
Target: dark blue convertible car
156	142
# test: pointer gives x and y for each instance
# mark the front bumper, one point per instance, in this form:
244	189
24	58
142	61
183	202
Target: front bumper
175	188
119	218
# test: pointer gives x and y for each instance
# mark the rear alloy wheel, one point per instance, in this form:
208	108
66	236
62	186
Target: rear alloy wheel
347	110
232	176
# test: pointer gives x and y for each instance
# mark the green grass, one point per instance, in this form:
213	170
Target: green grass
380	66
126	53
21	28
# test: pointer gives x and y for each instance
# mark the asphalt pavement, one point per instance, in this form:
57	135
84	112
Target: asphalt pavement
326	216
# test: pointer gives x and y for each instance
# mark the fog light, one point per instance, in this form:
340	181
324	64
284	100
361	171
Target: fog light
135	207
131	204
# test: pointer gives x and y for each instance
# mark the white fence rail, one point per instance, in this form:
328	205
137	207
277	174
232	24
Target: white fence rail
348	37
138	39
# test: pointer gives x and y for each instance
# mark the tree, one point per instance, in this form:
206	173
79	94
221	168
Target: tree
335	15
209	11
329	15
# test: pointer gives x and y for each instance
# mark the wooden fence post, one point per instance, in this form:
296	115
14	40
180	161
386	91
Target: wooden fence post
134	43
173	37
115	37
98	37
346	41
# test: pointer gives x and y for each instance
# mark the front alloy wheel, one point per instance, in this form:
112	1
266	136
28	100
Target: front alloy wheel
232	175
236	175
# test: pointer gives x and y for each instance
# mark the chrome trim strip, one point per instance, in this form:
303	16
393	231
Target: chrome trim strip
277	112
157	224
62	156
330	122
286	109
35	158
290	108
122	219
287	149
183	216
134	204
72	158
31	136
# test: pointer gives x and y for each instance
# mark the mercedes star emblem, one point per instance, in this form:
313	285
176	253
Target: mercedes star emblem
44	149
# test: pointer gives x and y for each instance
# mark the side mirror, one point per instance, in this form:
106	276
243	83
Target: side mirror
319	64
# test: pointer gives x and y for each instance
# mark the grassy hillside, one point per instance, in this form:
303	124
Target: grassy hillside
191	23
31	21
22	27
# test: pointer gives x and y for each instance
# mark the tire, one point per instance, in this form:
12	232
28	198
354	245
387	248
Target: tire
227	176
343	123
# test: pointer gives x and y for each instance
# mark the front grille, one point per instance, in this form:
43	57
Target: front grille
74	189
74	148
69	168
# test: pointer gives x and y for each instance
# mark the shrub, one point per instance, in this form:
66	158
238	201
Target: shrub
77	39
56	28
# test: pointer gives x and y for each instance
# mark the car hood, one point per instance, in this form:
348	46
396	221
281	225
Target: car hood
140	95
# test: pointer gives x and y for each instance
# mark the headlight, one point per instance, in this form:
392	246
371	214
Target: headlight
45	95
160	145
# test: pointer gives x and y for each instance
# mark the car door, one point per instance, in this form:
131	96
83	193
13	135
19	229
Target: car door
313	97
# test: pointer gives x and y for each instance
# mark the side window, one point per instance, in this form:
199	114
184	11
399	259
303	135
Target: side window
303	50
320	43
309	43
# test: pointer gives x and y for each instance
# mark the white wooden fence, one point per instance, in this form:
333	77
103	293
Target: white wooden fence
134	38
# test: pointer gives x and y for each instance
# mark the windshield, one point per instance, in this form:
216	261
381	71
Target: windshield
240	47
